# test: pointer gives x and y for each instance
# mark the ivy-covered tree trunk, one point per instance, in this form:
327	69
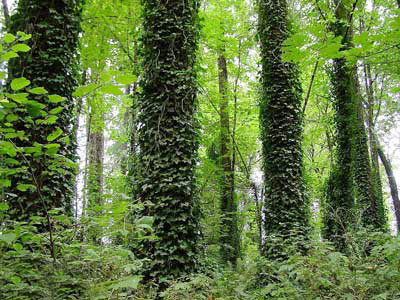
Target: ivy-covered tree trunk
339	211
372	214
52	64
351	180
229	239
167	136
381	221
286	210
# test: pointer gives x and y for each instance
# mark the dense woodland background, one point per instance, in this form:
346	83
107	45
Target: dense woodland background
222	149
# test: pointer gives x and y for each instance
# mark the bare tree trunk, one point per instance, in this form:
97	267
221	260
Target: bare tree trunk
6	13
393	185
96	162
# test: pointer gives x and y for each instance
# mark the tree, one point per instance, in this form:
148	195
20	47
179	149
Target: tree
286	216
230	247
351	181
167	136
52	64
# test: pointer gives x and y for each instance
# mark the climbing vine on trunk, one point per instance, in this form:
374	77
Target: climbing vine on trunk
167	136
51	64
286	210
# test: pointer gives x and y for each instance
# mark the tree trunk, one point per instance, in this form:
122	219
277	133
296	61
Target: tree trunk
167	138
6	13
340	197
286	211
52	64
371	210
393	185
95	165
228	234
373	145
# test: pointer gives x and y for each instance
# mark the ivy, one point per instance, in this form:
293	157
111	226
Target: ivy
281	134
168	136
49	67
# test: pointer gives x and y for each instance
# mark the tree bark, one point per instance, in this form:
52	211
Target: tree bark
95	165
6	13
393	185
229	239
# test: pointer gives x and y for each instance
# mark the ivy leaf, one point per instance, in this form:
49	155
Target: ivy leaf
24	187
52	148
125	79
9	38
21	48
54	135
38	91
19	83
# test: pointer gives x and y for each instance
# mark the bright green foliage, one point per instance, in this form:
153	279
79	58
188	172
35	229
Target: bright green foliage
168	136
51	64
286	216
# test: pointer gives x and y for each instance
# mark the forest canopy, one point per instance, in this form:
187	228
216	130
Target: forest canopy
215	149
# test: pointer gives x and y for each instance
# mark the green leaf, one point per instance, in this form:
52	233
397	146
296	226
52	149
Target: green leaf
4	183
127	282
8	55
54	135
9	38
19	98
18	247
4	206
24	187
84	90
15	279
19	83
23	36
38	91
21	48
9	238
112	90
56	110
50	120
126	79
56	99
52	148
7	148
12	118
